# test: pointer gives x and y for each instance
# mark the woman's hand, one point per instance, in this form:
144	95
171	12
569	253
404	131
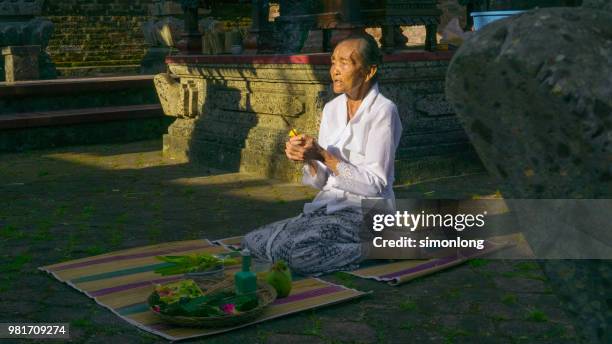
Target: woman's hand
303	148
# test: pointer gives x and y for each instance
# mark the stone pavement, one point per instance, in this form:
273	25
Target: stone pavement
75	202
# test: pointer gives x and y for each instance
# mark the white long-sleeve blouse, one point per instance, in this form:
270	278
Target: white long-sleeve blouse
366	147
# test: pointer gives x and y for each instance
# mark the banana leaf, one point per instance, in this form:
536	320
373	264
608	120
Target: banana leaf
192	263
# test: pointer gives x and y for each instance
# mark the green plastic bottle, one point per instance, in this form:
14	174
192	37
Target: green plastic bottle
245	281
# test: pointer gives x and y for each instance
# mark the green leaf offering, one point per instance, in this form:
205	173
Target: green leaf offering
196	262
173	292
186	298
200	307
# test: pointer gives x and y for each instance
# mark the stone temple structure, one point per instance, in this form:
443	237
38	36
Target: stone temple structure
232	112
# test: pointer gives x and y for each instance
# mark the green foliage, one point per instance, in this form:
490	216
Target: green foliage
478	262
82	323
452	293
192	263
346	279
408	305
10	232
185	298
43	231
315	329
173	292
527	266
537	316
407	326
94	250
60	211
528	270
15	263
508	299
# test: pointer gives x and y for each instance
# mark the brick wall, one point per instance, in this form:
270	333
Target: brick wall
96	33
94	37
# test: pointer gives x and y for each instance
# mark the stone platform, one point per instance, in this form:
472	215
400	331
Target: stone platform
52	113
231	111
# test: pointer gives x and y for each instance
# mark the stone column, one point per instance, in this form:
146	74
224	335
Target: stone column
258	38
430	37
192	38
349	21
161	34
21	63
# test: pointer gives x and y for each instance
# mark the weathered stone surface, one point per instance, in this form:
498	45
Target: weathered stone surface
260	102
605	5
533	92
584	286
541	120
168	91
534	95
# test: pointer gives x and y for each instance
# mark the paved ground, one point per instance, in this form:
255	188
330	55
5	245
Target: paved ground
80	201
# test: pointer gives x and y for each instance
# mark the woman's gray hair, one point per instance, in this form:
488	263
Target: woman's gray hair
369	51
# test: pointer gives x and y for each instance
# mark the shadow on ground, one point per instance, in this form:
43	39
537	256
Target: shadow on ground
80	201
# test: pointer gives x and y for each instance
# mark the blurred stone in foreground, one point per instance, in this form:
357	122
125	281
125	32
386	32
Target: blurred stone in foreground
605	5
534	93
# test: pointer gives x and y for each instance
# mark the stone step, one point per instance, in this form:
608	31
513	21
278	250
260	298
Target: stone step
77	93
79	116
67	72
97	62
38	88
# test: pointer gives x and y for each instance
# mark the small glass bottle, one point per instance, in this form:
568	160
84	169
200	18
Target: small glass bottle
245	281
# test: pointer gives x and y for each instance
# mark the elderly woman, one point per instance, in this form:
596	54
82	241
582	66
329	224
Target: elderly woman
352	159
